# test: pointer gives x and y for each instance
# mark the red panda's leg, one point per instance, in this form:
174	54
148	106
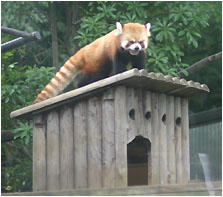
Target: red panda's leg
139	61
121	59
103	72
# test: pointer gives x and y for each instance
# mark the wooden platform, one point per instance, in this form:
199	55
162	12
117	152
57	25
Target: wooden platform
190	189
132	78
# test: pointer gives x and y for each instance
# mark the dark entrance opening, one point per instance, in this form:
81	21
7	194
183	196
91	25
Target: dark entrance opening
139	161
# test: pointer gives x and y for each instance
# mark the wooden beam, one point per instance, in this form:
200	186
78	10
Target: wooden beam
190	189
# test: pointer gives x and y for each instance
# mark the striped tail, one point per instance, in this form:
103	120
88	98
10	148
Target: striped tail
62	78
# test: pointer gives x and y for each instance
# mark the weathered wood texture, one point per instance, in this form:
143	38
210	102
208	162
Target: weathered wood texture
155	139
178	134
185	140
156	82
120	136
190	189
39	154
53	151
162	139
94	124
171	159
80	145
66	148
108	139
81	137
84	144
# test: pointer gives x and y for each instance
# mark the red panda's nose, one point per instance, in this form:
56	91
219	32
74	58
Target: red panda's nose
136	48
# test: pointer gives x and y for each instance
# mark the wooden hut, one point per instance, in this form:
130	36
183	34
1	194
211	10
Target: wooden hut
109	132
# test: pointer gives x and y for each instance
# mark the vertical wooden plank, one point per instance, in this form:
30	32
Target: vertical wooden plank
131	123
171	164
177	130
66	150
147	112
155	139
163	138
39	154
53	150
139	117
108	139
94	143
80	145
185	141
120	136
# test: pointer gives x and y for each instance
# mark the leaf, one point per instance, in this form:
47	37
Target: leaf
182	32
185	72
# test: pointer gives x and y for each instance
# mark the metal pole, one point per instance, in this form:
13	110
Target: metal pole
34	35
25	37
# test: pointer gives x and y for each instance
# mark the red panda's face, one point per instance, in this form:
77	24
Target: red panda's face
134	37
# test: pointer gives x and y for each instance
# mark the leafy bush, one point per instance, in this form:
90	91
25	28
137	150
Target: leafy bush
20	85
178	25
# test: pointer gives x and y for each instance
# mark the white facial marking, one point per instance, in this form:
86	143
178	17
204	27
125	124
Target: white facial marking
124	43
119	29
145	44
134	46
148	26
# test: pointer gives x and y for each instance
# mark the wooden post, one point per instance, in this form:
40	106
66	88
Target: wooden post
163	138
80	145
53	150
120	136
108	139
130	112
147	109
177	128
139	116
155	139
94	122
185	141
39	154
147	114
171	161
66	148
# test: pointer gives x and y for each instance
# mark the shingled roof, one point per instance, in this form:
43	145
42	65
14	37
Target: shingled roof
156	82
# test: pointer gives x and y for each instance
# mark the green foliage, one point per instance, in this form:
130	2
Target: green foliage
18	175
180	25
20	85
23	131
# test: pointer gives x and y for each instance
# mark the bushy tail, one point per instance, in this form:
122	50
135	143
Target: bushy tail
62	78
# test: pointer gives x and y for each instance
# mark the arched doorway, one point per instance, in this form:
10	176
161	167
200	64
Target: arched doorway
139	161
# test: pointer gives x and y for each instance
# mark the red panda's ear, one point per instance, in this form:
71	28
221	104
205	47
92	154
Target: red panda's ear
119	28
148	26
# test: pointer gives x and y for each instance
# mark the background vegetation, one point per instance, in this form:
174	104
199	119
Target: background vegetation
182	34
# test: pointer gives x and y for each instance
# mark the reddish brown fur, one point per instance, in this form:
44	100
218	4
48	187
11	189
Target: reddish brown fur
90	58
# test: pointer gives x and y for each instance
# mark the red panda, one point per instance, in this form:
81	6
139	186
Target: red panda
107	55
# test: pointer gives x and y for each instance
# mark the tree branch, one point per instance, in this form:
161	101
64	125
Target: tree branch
76	23
68	28
52	20
22	149
201	64
7	136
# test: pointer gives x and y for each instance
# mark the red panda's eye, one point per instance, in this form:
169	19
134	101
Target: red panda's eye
131	42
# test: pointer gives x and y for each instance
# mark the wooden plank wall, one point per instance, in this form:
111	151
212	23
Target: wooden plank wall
84	145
